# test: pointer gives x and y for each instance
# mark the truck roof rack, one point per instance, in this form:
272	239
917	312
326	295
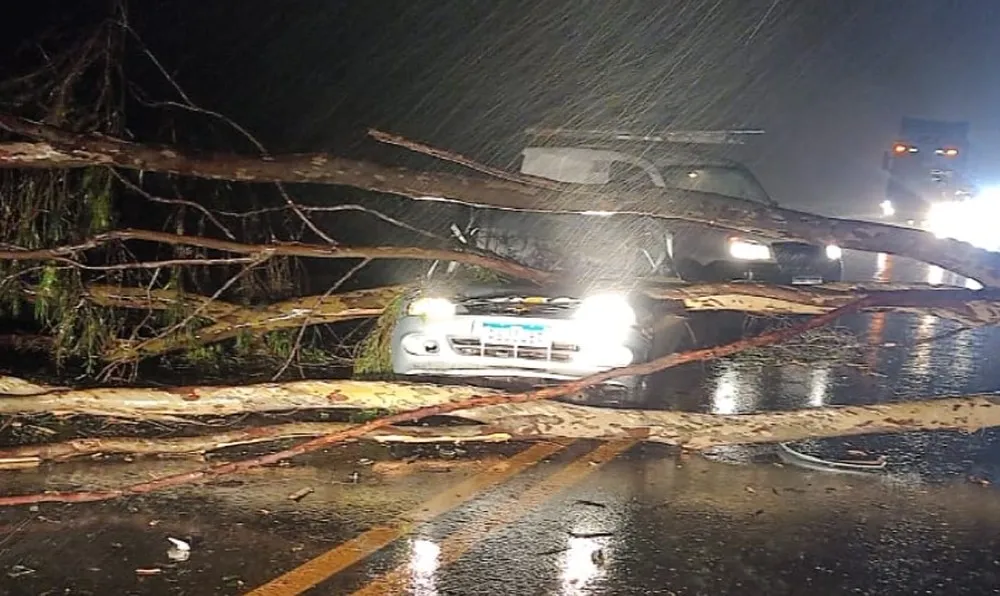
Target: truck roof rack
699	137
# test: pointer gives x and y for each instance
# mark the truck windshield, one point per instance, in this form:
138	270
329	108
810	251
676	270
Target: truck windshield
720	180
588	245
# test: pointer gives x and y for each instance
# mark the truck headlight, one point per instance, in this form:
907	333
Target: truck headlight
833	252
431	308
746	250
945	220
606	311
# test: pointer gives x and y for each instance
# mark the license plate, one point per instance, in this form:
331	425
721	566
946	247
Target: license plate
808	280
533	335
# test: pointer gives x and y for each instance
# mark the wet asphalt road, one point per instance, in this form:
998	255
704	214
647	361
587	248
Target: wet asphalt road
573	518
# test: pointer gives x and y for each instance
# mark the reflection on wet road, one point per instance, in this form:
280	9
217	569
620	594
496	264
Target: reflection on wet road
572	518
584	518
900	356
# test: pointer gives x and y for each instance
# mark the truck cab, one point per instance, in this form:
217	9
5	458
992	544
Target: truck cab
677	162
927	166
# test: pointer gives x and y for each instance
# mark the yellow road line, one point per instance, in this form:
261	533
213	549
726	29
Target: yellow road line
455	545
333	561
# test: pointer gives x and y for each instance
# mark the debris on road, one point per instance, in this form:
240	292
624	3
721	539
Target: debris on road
148	571
20	571
809	462
19	463
179	551
591	534
301	494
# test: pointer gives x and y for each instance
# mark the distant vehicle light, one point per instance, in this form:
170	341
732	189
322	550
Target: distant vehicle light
888	209
913	149
951	152
748	251
692	174
834	252
899	148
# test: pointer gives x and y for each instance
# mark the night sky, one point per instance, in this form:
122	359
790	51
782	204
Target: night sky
827	80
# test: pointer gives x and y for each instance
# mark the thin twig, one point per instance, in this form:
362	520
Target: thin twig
151	197
451	156
197	311
939	336
160	264
189	105
332	208
288	249
305	321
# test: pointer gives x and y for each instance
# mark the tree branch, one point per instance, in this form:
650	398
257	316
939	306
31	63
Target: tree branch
451	156
33	455
287	249
62	149
967	307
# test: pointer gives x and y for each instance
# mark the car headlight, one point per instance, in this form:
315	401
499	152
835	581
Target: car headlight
745	250
606	310
834	252
431	308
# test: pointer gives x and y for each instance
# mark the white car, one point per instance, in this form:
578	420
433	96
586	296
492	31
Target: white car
591	321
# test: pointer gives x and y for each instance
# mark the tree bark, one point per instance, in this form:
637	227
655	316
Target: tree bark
523	419
63	149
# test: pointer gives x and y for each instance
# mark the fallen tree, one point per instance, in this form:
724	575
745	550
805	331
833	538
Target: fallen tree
684	429
102	159
503	417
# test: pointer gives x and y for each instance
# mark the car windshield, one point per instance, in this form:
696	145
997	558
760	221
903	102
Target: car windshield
590	245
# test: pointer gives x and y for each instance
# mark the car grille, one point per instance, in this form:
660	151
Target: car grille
473	346
518	308
797	256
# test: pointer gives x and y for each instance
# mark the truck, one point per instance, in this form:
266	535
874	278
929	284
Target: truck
928	167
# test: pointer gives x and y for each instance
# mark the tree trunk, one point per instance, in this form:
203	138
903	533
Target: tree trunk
63	149
532	419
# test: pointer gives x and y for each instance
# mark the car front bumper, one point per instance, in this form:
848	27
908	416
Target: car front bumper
817	271
458	346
